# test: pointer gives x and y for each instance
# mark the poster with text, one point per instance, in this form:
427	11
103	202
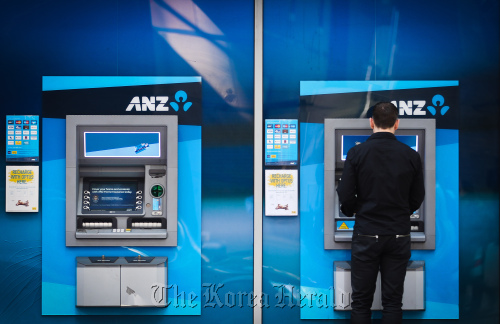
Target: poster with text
282	194
281	142
21	189
22	138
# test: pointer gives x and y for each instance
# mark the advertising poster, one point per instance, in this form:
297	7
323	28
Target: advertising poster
281	192
22	138
281	142
21	189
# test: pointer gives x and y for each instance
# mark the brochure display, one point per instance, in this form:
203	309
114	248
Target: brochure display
21	189
282	192
281	142
22	139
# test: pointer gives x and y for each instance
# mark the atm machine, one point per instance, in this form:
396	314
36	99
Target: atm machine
121	180
340	136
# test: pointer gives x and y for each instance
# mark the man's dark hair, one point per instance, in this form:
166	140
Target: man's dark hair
384	115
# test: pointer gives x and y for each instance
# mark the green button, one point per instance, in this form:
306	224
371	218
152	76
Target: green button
157	191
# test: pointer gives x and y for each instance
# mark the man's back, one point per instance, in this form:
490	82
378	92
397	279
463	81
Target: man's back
387	180
383	184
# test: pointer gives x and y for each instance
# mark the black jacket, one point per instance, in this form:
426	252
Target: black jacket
383	184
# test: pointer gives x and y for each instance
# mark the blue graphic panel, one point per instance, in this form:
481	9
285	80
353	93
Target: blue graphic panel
316	263
122	144
281	142
86	82
345	225
329	87
59	261
348	141
22	138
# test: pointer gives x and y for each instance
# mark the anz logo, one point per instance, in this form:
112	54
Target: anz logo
159	103
419	108
148	103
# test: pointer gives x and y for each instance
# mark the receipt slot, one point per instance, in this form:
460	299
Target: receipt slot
340	136
121	180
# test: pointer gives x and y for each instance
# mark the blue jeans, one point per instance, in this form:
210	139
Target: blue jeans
389	254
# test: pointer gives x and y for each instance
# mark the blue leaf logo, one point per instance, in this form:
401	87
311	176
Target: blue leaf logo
438	102
181	99
175	105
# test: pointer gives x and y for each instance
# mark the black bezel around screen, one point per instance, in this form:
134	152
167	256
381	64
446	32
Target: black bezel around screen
137	184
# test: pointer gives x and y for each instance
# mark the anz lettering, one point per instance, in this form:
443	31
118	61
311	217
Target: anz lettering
411	107
152	103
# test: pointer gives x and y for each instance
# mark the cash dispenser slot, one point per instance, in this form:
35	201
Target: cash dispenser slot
95	223
146	223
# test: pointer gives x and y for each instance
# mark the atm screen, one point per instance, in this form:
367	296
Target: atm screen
349	141
122	144
112	196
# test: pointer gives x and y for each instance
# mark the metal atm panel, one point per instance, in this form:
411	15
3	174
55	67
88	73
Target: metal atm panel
96	286
121	281
140	178
137	284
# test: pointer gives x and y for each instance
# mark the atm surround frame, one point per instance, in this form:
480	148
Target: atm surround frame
92	167
331	125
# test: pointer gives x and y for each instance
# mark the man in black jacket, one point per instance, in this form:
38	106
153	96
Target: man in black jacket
382	184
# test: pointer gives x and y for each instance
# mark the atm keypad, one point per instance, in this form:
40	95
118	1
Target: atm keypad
138	200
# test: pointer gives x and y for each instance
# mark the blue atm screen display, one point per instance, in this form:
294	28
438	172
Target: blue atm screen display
349	141
122	144
117	196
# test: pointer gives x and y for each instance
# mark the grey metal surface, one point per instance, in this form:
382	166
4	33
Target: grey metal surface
137	285
257	162
109	234
74	173
97	286
121	283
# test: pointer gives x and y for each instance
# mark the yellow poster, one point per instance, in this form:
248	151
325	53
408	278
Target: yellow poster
282	195
21	189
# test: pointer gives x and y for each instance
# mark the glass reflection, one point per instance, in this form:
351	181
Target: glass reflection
201	44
